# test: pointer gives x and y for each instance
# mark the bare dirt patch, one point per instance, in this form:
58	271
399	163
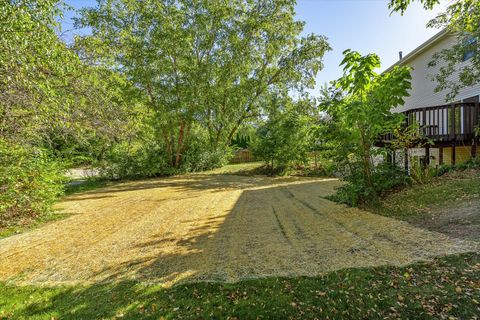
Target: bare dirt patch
214	228
459	221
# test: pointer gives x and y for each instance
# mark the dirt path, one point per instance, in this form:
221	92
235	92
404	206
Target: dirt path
211	227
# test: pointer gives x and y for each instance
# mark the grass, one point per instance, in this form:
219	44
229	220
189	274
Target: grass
243	169
85	185
447	288
422	199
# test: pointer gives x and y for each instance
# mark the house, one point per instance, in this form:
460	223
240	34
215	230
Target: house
449	125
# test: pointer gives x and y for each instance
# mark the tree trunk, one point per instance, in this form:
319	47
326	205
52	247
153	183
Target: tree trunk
179	144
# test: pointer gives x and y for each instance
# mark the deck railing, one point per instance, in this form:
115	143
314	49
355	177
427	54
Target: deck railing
446	123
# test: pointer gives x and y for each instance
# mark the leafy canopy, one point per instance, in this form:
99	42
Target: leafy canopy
462	19
360	107
208	63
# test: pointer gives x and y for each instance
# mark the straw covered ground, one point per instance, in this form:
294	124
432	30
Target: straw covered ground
211	227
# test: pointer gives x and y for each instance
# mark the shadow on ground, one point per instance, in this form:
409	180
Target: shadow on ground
213	228
439	289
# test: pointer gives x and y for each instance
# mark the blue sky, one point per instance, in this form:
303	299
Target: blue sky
362	25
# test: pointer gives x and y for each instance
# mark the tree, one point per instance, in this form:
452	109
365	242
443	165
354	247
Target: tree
204	62
50	104
283	137
461	18
359	108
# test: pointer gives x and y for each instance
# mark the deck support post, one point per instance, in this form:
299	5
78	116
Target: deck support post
453	153
440	155
406	160
427	155
473	151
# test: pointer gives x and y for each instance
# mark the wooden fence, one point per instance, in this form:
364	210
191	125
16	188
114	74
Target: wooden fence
242	155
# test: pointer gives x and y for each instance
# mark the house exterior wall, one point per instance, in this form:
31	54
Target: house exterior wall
423	92
462	154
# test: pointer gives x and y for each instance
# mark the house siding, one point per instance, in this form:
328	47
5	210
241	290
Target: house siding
423	92
462	154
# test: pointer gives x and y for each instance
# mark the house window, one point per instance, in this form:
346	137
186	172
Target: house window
470	48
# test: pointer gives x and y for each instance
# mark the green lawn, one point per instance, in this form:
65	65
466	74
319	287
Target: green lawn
447	288
446	191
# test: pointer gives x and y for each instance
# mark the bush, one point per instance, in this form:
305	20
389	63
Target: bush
281	141
136	160
472	163
356	191
200	156
422	175
443	169
149	158
30	182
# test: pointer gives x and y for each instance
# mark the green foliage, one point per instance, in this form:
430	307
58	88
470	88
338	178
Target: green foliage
462	19
472	163
283	138
439	289
359	191
54	107
129	160
421	174
30	182
359	107
402	5
226	57
444	168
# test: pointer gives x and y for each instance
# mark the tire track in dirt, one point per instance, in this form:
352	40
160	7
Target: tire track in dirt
389	244
210	228
281	227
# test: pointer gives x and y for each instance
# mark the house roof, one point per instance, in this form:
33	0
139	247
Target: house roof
420	49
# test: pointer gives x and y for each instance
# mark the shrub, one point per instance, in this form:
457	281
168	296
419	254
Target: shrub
281	141
472	163
422	175
200	155
443	169
357	190
30	182
149	158
134	160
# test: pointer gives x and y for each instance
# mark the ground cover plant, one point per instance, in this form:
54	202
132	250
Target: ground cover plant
446	288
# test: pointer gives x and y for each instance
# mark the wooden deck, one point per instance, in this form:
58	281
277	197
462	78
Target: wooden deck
443	126
446	124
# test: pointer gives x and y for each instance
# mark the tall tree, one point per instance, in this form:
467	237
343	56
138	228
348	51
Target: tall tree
207	62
